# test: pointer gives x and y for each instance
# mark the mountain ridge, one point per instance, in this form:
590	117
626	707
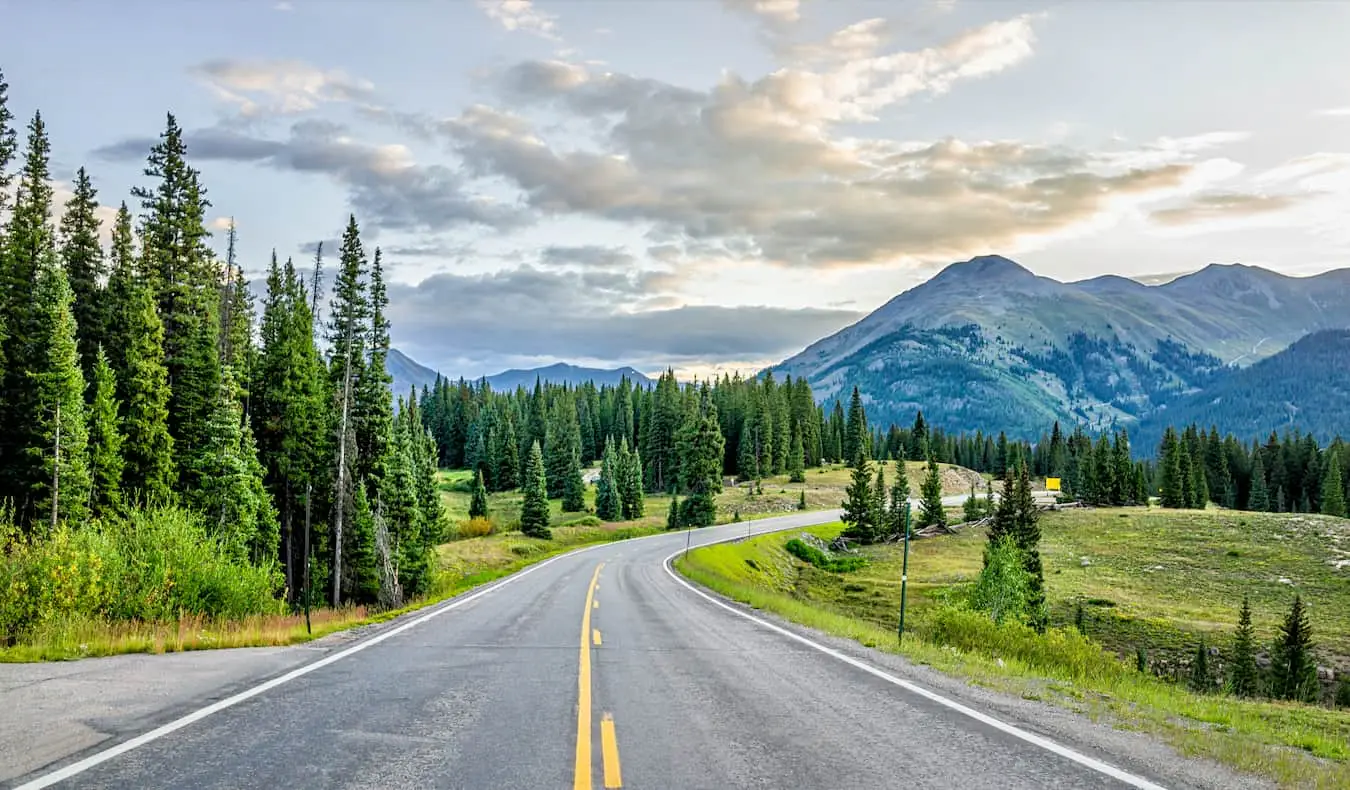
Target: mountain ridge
407	373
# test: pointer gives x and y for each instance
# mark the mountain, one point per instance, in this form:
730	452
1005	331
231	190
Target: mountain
563	373
407	372
987	344
1305	387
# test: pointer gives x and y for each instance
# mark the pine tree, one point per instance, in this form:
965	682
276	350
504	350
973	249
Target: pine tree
105	439
1171	486
1198	484
608	506
82	256
856	434
858	503
1293	671
398	497
574	488
673	513
797	457
120	295
879	492
57	433
478	503
7	142
1333	493
1258	500
507	476
931	511
700	447
147	448
372	415
629	482
362	553
534	510
895	515
1200	680
347	336
1242	670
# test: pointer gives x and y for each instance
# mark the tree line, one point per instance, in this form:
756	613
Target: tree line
132	380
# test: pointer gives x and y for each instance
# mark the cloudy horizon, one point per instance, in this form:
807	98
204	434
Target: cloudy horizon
711	185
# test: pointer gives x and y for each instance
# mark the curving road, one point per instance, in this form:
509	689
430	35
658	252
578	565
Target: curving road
601	668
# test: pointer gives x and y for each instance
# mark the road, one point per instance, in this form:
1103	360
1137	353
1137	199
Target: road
602	668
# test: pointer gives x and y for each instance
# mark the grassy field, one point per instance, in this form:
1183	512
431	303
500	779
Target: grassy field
1156	578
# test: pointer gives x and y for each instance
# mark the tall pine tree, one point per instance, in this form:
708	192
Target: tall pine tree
105	439
82	256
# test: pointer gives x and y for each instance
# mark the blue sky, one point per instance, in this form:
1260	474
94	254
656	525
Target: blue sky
711	185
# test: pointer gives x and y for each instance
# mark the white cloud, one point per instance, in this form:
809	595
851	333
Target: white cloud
279	87
283	6
521	15
1334	112
221	224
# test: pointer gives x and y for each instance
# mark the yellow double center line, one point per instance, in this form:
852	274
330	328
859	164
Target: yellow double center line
609	745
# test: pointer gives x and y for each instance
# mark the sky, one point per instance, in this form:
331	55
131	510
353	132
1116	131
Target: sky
704	185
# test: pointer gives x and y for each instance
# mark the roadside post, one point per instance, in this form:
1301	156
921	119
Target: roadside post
904	578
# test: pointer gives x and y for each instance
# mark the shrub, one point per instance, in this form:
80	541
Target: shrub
1058	651
475	527
808	553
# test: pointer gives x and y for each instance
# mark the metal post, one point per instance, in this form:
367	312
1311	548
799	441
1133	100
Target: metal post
904	578
688	536
307	498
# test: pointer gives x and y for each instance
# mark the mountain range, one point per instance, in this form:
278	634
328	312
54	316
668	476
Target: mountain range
987	344
408	373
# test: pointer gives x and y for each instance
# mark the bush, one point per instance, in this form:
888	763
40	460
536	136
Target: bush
154	566
475	527
808	553
1060	652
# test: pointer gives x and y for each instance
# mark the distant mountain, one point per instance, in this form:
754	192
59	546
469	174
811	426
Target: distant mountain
1304	387
986	344
562	373
407	372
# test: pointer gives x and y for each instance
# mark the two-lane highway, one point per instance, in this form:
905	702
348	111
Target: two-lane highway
599	668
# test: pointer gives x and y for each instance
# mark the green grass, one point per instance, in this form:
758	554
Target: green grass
1195	591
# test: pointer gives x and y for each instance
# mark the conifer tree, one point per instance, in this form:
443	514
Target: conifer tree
507	476
7	142
1199	486
1333	493
105	439
796	457
147	448
879	492
57	432
373	411
701	446
534	509
632	499
398	497
895	519
478	503
1200	680
82	256
931	511
1171	485
237	314
574	488
362	553
1258	499
120	295
1293	671
348	331
673	513
859	504
607	502
1242	670
856	434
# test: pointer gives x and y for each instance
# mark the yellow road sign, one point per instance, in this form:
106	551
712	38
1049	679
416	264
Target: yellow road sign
1052	484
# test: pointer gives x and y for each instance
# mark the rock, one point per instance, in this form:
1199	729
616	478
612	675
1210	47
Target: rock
1084	561
1283	580
1263	660
1326	673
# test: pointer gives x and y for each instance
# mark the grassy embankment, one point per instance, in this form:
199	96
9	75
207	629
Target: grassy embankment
464	564
1157	579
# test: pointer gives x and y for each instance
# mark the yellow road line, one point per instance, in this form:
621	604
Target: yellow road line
609	750
581	774
595	634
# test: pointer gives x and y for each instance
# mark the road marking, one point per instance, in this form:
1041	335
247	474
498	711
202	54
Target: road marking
581	773
609	751
595	635
1031	738
76	768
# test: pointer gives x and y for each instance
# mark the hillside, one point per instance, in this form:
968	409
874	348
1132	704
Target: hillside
986	344
407	372
1304	387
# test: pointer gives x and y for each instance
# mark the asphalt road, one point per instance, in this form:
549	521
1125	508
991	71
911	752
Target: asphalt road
602	669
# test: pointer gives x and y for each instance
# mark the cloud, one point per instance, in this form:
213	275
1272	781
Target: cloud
385	187
774	14
1224	205
283	6
1334	112
596	324
221	224
523	16
761	170
279	87
588	255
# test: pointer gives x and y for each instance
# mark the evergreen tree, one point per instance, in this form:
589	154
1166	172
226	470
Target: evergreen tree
120	294
1200	680
856	434
82	256
362	553
700	446
879	492
1258	499
629	480
373	410
1333	493
105	439
57	433
7	142
478	503
398	497
972	509
1171	485
673	514
1198	484
507	476
895	515
859	504
607	501
797	457
147	448
348	331
931	511
1242	670
534	509
1293	671
237	316
574	488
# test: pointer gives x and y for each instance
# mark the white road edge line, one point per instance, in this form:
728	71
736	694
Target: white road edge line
80	766
1017	732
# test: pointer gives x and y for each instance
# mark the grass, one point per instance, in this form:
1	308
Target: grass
1168	577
